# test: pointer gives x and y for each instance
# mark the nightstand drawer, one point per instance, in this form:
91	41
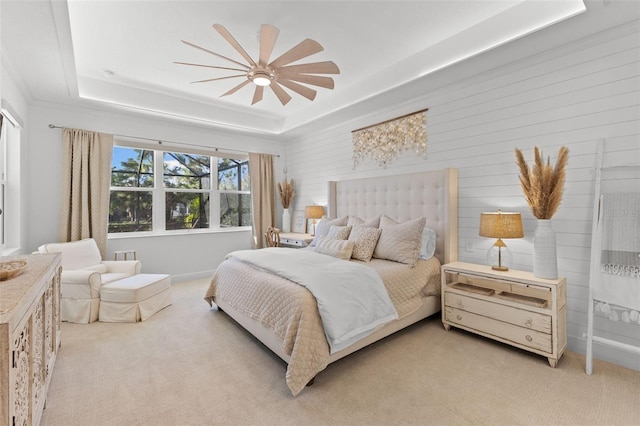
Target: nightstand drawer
288	242
295	240
517	316
499	329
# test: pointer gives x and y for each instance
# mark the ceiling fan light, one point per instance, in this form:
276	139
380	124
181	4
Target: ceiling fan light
261	81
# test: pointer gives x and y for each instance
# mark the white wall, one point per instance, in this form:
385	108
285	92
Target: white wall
183	256
570	96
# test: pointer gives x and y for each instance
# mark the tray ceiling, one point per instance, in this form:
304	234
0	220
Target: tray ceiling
122	53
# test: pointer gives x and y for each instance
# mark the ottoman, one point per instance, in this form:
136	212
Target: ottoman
134	298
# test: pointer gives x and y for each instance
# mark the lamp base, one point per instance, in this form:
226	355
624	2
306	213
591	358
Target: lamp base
499	257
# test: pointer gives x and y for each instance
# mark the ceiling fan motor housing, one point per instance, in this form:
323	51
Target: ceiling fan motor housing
261	76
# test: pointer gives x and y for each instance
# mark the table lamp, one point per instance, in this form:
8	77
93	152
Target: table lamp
313	213
500	225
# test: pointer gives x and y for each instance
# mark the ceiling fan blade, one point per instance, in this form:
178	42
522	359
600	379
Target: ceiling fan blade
299	89
235	89
216	54
268	37
233	42
257	95
280	93
208	66
219	78
326	67
326	82
306	47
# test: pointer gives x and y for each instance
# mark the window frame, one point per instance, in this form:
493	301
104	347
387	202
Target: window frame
159	190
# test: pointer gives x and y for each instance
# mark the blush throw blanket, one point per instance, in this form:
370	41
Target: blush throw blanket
352	299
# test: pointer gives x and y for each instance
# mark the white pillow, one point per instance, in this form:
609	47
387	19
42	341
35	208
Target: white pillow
373	222
428	244
399	242
322	228
341	249
339	232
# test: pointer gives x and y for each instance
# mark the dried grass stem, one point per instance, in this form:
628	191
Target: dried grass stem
543	185
286	191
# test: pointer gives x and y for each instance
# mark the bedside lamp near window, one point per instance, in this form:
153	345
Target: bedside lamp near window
313	212
500	225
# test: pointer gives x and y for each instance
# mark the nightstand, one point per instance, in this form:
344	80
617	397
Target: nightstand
292	239
513	307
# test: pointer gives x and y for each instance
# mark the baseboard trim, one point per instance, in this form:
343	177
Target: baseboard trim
605	353
192	276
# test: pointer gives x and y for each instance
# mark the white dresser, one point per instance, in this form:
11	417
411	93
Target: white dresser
29	338
513	307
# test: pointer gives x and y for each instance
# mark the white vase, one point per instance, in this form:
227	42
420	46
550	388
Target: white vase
545	261
286	221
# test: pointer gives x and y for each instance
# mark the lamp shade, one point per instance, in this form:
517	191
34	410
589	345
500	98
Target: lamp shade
313	212
501	225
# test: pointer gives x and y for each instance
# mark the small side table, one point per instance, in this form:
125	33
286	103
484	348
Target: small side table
125	254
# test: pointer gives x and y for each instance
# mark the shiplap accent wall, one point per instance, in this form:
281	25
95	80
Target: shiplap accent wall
570	96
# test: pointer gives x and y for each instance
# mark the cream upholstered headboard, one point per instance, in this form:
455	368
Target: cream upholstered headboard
433	195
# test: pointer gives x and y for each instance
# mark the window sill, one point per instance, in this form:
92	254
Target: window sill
10	251
130	235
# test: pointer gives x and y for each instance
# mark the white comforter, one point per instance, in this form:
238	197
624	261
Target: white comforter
352	299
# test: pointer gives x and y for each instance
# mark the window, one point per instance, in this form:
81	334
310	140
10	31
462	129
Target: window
3	178
166	191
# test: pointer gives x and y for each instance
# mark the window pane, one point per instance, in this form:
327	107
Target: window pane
246	218
132	167
186	170
130	211
228	173
245	182
235	210
187	210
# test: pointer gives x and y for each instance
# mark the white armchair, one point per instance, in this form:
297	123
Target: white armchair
83	274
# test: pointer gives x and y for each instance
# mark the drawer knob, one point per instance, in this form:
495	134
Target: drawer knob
528	322
459	302
529	338
459	317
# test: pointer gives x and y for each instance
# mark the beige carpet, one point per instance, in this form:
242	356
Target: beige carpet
189	365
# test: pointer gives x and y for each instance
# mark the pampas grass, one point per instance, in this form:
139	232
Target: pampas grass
286	193
543	184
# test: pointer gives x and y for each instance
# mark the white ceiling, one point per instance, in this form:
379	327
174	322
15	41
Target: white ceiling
60	50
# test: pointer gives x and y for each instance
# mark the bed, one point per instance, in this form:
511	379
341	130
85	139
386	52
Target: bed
285	316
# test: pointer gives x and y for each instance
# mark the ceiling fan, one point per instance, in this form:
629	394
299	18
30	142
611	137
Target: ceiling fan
276	73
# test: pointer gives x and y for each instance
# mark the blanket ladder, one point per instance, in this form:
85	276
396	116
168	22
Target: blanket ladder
594	270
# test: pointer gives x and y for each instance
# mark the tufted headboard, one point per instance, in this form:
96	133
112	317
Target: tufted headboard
433	195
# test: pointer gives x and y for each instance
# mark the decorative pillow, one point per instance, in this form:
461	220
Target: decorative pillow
365	240
339	232
342	249
399	242
373	222
428	243
322	228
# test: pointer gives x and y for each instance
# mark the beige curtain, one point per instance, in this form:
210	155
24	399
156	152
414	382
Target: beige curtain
86	175
263	200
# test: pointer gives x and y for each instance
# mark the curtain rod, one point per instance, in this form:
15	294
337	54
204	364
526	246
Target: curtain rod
53	126
391	119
